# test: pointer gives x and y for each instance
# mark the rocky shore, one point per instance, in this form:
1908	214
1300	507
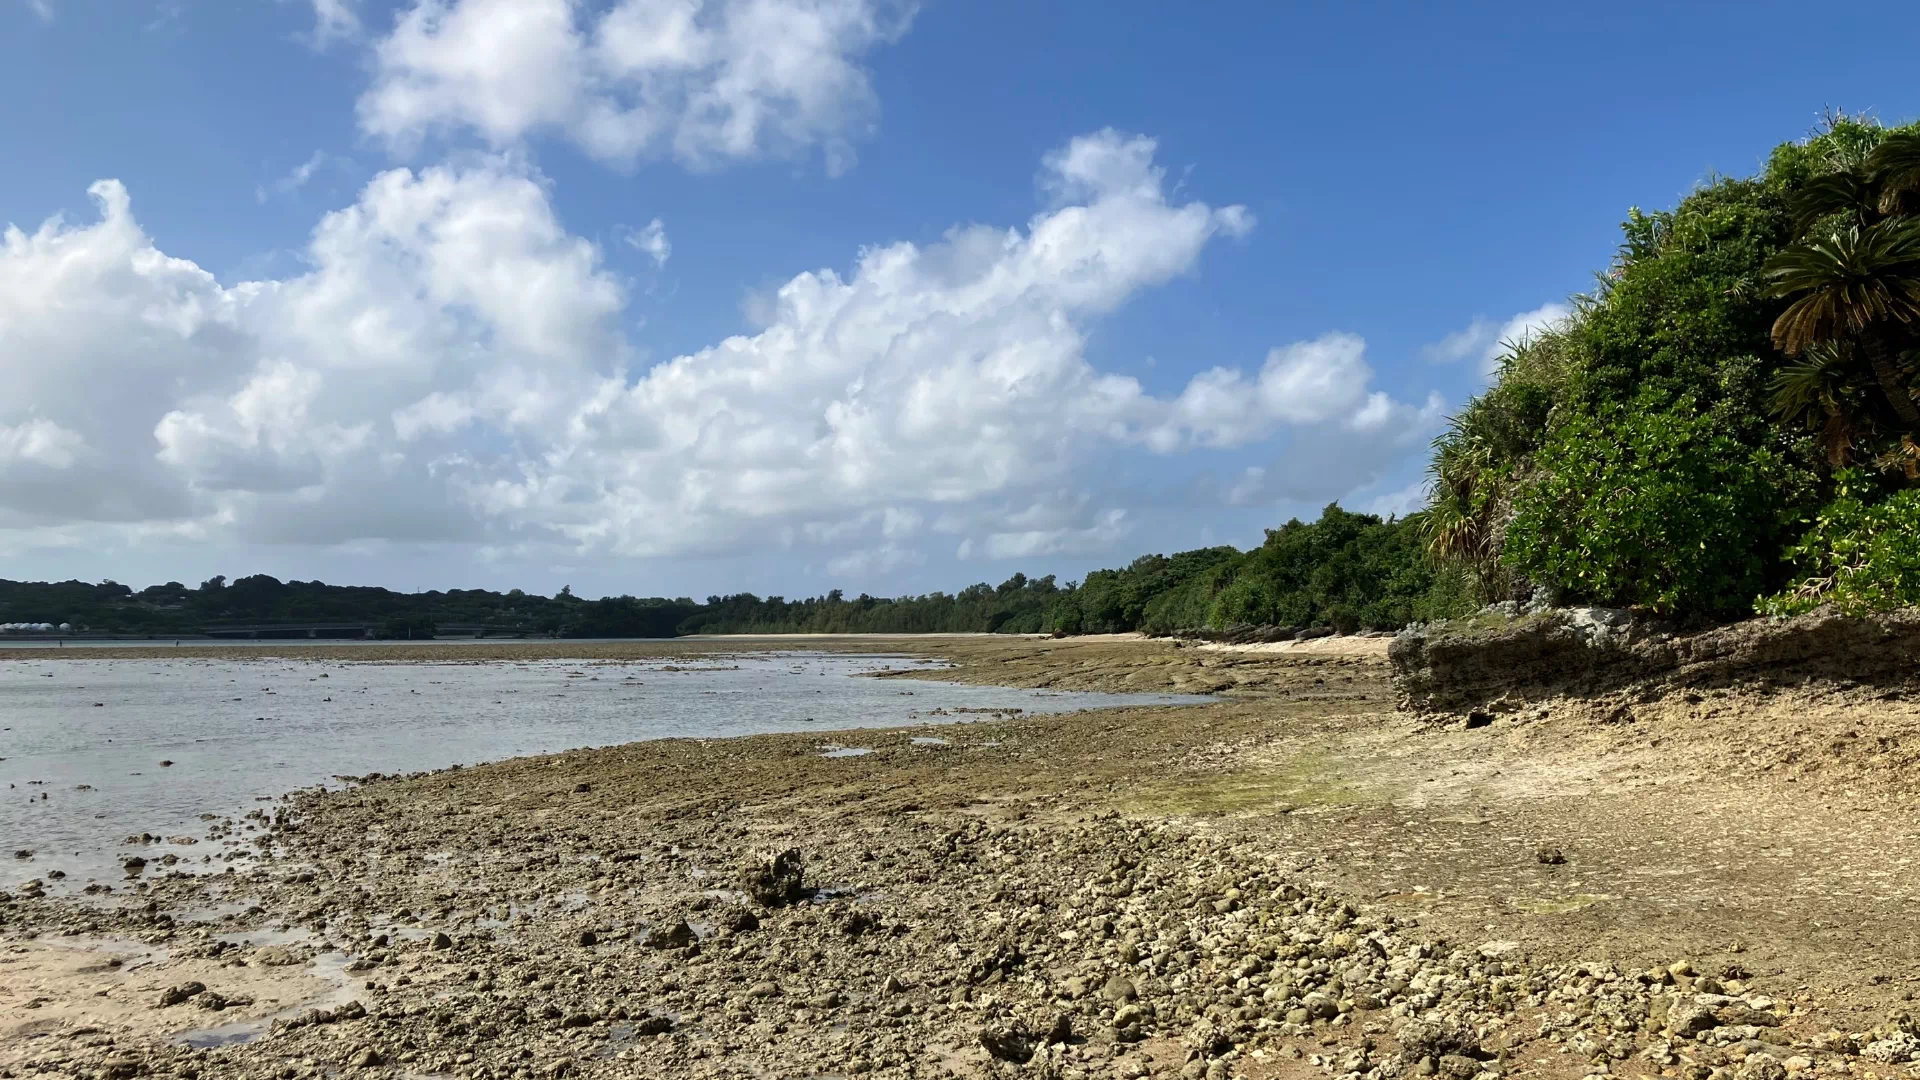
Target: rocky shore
1294	881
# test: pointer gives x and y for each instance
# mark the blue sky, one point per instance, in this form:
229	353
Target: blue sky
379	304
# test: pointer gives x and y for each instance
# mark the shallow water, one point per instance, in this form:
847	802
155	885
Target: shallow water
83	740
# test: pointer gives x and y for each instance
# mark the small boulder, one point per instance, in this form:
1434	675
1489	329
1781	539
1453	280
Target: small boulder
1007	1043
1690	1016
677	936
774	879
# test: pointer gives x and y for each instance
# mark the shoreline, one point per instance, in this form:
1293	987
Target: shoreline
1229	863
960	647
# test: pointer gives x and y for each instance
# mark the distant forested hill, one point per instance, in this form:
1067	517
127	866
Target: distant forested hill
1348	571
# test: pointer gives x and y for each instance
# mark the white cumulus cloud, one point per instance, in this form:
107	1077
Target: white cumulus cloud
452	366
703	81
1484	341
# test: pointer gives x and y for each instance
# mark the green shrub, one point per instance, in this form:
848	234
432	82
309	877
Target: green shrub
1660	507
1860	556
1452	595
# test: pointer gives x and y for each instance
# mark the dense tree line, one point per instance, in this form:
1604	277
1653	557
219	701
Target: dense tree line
1348	571
173	608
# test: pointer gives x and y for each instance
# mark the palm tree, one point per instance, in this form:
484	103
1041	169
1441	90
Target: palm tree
1858	284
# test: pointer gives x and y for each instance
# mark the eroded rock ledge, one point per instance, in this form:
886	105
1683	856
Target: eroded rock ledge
1496	659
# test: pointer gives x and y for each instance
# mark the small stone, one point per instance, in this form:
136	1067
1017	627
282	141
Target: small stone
1207	1040
367	1059
174	995
442	941
588	939
1062	1029
1549	855
1320	1006
1007	1044
764	990
1119	989
649	1026
1761	1067
579	1020
677	936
